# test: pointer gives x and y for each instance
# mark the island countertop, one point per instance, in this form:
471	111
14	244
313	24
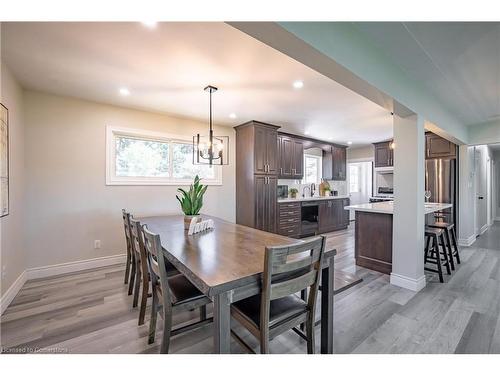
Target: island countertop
304	199
388	207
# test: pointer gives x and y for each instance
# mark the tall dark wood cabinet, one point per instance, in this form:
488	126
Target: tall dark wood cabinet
335	163
257	175
384	154
290	157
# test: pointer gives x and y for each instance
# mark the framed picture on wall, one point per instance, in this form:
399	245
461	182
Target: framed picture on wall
4	161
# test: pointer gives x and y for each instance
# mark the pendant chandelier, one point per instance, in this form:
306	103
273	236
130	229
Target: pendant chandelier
210	149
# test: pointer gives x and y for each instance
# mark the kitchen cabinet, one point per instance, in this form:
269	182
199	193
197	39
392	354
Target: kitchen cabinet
384	154
289	219
256	175
290	157
335	163
438	147
265	150
265	203
332	216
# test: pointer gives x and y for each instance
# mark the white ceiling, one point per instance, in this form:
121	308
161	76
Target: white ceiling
459	62
166	68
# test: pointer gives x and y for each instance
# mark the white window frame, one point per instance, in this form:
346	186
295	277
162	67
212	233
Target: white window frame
112	179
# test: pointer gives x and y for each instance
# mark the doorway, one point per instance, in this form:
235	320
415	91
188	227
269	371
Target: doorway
359	183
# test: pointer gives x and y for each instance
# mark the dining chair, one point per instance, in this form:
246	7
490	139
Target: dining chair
142	269
130	263
287	271
171	294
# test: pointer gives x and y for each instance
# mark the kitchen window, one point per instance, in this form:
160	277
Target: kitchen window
138	157
312	169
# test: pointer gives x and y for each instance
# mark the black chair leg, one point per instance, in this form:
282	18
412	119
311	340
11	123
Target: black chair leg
449	248
445	255
455	244
438	258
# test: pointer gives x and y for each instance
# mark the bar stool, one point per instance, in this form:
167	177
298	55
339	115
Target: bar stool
434	238
451	239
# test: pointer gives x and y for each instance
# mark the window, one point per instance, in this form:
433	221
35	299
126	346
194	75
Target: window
312	169
135	157
354	186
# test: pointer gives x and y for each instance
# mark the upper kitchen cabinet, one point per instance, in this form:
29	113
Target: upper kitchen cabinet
384	154
257	143
290	157
437	147
335	163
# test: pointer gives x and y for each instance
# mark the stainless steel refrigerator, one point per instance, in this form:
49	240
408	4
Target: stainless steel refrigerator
440	179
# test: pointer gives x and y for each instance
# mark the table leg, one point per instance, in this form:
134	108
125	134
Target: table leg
222	323
327	291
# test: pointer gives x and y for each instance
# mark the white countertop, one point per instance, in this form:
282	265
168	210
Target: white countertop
302	199
388	207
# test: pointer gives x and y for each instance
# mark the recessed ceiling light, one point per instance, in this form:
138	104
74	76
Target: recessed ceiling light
330	138
306	132
232	115
298	84
124	91
349	143
150	24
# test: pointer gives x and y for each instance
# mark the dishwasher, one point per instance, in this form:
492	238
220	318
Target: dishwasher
309	219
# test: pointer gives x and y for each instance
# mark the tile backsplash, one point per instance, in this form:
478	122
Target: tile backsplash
340	186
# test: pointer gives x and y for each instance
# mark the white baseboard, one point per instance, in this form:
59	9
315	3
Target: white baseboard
9	295
80	265
467	241
407	282
55	270
483	229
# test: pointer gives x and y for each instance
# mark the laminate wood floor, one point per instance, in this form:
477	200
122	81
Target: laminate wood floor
90	312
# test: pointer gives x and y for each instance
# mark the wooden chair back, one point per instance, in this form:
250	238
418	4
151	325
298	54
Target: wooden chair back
157	265
137	239
126	226
291	269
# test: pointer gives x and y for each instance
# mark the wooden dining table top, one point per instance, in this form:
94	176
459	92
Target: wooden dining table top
219	259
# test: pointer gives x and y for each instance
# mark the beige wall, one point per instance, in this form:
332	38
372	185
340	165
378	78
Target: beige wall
69	204
13	260
364	152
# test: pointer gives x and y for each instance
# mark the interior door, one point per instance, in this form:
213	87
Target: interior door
359	183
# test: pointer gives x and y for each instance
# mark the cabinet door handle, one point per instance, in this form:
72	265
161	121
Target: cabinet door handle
281	170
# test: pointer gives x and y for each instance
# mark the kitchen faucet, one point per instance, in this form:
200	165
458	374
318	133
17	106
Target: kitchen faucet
311	188
304	191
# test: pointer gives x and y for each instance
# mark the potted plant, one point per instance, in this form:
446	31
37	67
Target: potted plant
293	193
191	201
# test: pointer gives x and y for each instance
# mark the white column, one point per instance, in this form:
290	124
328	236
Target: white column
466	216
409	220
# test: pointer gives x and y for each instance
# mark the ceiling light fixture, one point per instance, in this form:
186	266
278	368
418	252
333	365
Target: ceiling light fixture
298	84
150	24
232	115
124	91
211	149
307	132
349	143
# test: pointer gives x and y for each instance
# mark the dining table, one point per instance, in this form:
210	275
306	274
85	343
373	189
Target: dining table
226	263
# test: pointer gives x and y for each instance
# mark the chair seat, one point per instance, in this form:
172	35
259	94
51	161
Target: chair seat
280	309
429	231
442	225
182	289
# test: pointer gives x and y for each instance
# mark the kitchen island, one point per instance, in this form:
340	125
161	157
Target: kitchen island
373	233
